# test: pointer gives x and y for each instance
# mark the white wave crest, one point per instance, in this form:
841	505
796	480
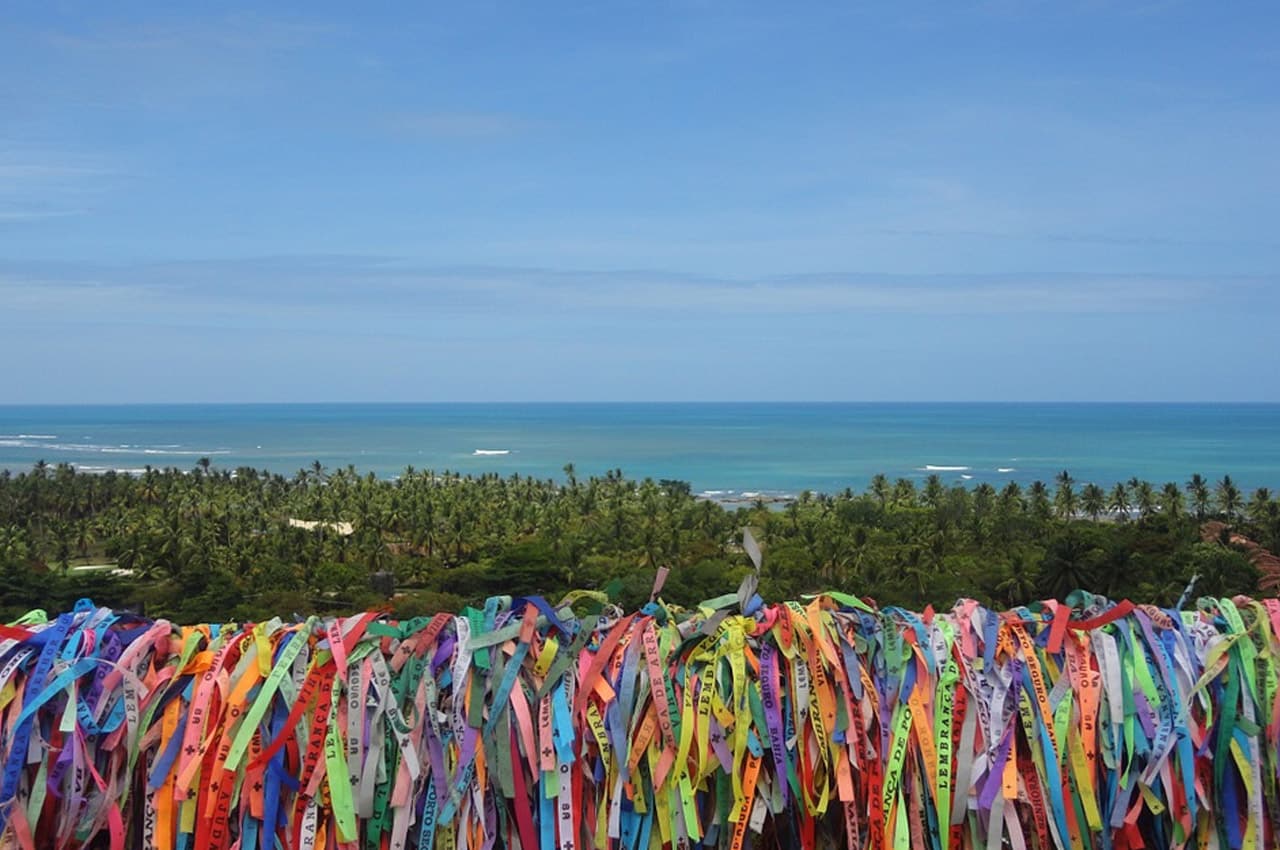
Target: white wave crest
28	436
1006	469
154	451
122	449
490	452
928	467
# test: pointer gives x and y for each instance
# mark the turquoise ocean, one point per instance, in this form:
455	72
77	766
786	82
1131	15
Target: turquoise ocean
725	450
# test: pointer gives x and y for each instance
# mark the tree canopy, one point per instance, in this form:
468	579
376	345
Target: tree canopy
212	544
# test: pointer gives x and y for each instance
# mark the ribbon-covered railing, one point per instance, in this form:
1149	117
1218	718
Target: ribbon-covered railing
527	725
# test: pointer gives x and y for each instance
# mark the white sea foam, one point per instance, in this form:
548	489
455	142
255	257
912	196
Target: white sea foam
28	436
1006	469
36	442
192	453
490	452
966	477
928	467
156	451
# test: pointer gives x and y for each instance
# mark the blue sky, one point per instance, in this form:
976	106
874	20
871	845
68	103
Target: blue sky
662	200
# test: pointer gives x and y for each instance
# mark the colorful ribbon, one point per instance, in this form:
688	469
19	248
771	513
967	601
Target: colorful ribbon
527	725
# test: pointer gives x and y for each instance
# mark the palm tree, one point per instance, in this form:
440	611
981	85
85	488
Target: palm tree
880	489
1093	499
933	492
149	488
984	502
904	493
1265	514
1198	490
1259	509
1228	497
792	513
84	536
1118	502
1171	500
13	545
1064	500
1011	499
64	542
1144	496
1017	586
1038	495
1068	565
128	547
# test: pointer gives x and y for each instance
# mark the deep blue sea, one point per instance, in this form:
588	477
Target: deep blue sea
725	450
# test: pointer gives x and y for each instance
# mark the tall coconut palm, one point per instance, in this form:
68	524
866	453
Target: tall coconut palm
1144	497
904	493
13	545
1068	565
1260	506
1017	585
1093	500
880	489
933	491
1171	500
984	506
1198	491
1038	499
1010	502
84	536
1118	502
1228	497
1064	500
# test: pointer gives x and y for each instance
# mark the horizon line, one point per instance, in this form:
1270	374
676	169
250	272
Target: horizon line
620	402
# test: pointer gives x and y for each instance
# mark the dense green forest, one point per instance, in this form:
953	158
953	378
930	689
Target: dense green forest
215	544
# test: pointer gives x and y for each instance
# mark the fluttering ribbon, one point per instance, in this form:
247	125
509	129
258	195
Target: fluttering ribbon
528	725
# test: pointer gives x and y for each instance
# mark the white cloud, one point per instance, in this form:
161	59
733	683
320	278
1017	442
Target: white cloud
376	290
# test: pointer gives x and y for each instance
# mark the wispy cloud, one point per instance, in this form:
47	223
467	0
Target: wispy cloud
167	62
38	184
21	215
385	288
12	171
237	32
456	125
